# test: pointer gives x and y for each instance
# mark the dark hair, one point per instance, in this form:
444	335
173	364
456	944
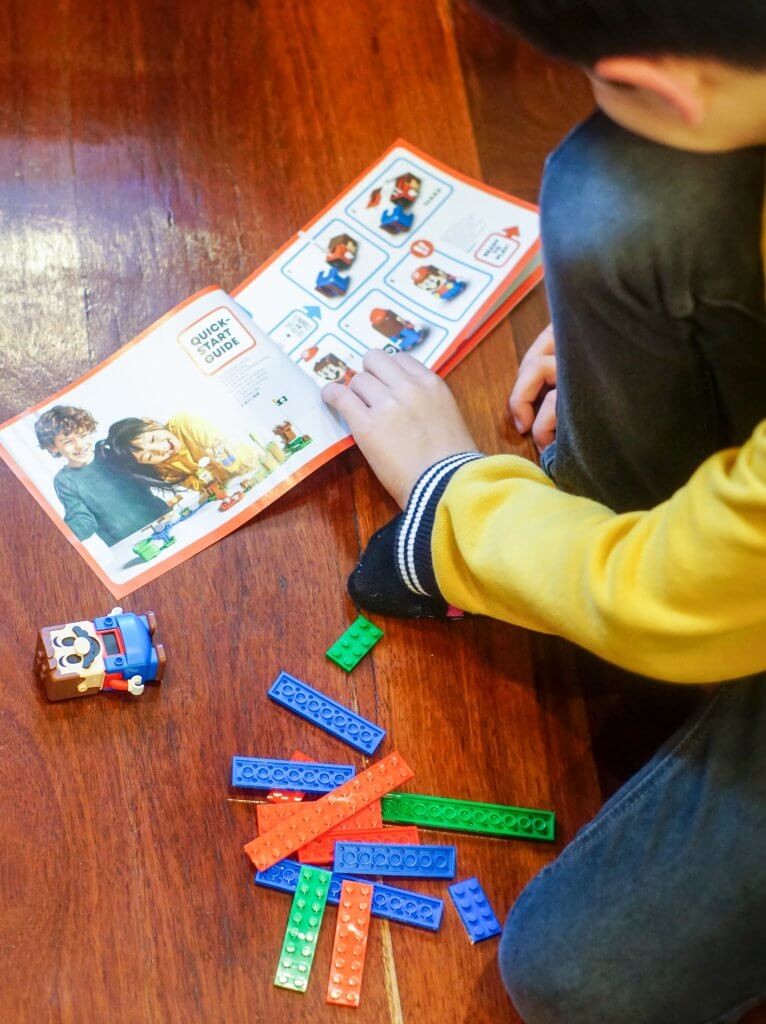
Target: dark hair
584	31
117	450
62	419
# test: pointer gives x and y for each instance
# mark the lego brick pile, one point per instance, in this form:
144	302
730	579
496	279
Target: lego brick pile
358	831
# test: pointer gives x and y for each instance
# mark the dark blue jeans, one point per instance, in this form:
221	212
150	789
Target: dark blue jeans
656	289
656	911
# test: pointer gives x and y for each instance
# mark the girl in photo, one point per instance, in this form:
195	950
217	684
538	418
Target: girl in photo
171	453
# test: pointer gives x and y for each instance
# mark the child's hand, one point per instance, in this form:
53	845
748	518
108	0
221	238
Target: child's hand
402	416
537	371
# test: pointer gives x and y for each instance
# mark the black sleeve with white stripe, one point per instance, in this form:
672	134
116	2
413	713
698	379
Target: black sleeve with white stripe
413	537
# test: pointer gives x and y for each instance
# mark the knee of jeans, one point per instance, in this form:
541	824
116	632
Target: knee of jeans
610	212
586	249
551	963
532	969
591	219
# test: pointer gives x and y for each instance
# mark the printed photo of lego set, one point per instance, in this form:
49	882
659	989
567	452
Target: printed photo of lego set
142	468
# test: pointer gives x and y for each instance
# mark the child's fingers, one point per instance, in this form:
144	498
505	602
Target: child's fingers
412	365
384	366
344	401
544	344
534	374
370	389
544	429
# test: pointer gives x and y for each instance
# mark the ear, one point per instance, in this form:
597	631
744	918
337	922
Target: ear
678	84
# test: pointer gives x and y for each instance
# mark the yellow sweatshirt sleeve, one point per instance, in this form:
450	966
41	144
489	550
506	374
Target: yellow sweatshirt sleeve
677	592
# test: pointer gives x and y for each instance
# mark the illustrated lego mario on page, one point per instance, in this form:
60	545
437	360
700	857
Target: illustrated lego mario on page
412	257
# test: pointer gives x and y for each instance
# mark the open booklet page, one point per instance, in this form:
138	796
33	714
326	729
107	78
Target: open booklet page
173	442
411	257
205	418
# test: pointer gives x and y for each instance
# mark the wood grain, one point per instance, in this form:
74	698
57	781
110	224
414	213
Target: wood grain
149	149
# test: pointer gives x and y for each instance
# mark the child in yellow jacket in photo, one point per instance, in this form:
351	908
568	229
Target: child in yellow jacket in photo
643	536
171	453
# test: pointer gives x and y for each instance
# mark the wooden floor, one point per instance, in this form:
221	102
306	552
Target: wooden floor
150	148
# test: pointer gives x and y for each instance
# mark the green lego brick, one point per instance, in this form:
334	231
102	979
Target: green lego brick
439	812
297	444
303	926
358	640
148	549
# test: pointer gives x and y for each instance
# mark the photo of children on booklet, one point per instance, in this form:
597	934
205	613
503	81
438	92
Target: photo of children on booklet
142	470
138	473
145	475
96	496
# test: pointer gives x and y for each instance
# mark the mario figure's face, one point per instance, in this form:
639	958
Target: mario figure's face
433	280
410	184
70	660
331	369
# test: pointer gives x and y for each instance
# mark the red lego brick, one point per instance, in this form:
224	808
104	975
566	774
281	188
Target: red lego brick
322	850
270	815
350	947
313	819
277	796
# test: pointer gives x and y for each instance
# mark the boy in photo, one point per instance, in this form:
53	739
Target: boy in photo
97	498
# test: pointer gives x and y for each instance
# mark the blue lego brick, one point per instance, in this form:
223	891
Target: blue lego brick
282	876
457	288
404	861
396	221
389	902
332	283
406	907
139	656
306	777
472	905
408	338
320	710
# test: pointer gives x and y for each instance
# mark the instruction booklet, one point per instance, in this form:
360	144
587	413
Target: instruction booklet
214	411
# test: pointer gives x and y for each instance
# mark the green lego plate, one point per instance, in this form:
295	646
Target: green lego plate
469	816
358	640
302	931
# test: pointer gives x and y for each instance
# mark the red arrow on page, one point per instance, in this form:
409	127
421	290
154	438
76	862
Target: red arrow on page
511	232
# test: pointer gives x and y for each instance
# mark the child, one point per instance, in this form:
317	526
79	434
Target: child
646	543
96	498
171	453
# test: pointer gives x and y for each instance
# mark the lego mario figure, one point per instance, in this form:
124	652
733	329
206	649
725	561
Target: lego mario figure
114	652
438	282
402	334
406	190
333	368
341	251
